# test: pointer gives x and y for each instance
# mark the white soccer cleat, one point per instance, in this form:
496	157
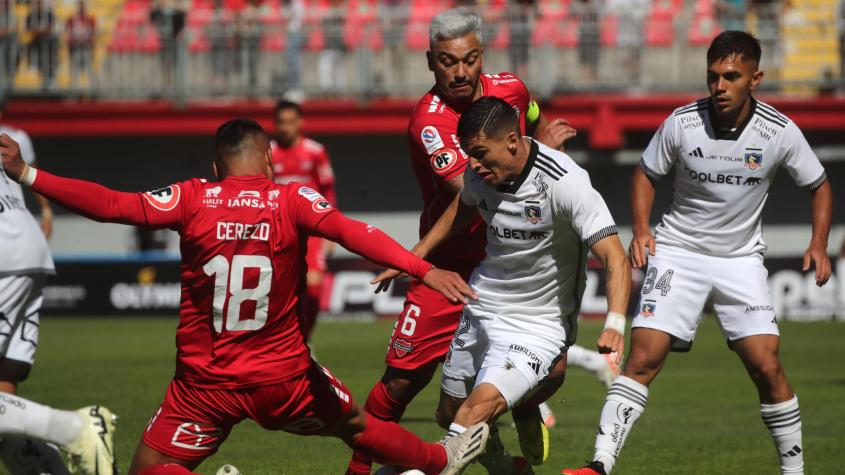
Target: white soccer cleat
227	470
610	371
464	448
92	452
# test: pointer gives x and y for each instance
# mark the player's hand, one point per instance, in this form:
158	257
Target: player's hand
385	278
611	341
450	284
817	254
47	223
13	163
556	133
637	250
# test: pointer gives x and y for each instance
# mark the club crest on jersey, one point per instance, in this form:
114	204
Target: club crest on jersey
648	309
533	214
164	199
402	347
753	158
321	206
431	139
444	159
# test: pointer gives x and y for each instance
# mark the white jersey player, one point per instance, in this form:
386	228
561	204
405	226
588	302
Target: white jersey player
29	429
725	151
542	216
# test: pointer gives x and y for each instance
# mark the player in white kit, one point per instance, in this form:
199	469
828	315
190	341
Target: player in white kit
725	150
542	217
30	431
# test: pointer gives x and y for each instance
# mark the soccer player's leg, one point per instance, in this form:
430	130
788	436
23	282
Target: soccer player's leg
745	311
603	366
671	303
33	432
420	340
188	427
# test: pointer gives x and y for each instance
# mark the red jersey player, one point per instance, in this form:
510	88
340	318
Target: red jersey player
428	322
298	159
240	353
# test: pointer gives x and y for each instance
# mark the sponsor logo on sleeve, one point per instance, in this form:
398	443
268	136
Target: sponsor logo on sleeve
443	160
164	199
321	206
431	139
310	194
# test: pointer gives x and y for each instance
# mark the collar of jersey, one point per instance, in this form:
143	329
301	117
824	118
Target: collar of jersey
734	133
257	177
529	164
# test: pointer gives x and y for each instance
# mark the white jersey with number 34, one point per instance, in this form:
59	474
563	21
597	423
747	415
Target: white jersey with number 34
722	178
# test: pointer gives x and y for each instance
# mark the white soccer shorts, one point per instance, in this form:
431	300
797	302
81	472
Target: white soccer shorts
679	283
485	349
20	301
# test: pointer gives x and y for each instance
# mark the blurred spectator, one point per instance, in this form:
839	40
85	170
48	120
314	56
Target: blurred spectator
249	42
521	14
8	46
332	62
294	11
587	13
81	29
220	33
631	14
42	51
840	23
168	18
394	18
731	14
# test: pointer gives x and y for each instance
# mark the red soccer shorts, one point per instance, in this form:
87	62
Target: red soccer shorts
316	256
424	329
192	422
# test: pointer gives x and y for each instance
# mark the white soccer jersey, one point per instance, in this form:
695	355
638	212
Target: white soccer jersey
23	247
722	178
539	230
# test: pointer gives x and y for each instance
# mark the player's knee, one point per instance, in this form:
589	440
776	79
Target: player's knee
768	371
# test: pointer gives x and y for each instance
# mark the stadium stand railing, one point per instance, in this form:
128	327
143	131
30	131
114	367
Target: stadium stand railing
197	49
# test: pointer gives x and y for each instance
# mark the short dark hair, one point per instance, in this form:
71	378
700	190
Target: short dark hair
284	104
729	43
232	135
489	115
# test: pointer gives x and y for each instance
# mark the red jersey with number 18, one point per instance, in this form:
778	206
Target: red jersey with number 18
436	158
242	264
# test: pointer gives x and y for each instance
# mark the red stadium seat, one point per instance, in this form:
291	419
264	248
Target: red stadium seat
419	19
660	29
198	20
608	30
314	12
362	28
703	30
273	34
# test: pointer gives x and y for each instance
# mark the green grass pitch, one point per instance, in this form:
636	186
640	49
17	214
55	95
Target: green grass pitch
702	415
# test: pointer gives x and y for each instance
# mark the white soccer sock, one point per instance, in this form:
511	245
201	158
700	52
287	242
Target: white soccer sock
38	421
581	357
625	403
784	422
455	429
496	458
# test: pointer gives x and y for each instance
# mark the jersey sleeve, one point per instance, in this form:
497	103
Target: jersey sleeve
662	150
162	208
576	200
27	150
800	160
307	207
437	141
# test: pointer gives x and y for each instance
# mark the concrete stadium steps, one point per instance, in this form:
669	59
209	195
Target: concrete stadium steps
810	43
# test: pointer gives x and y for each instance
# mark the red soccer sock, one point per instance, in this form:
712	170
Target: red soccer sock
389	444
381	406
166	469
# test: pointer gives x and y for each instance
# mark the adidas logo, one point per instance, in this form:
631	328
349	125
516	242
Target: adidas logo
793	452
696	153
535	365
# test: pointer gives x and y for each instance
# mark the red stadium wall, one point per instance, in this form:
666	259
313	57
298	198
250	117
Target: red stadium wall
605	118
